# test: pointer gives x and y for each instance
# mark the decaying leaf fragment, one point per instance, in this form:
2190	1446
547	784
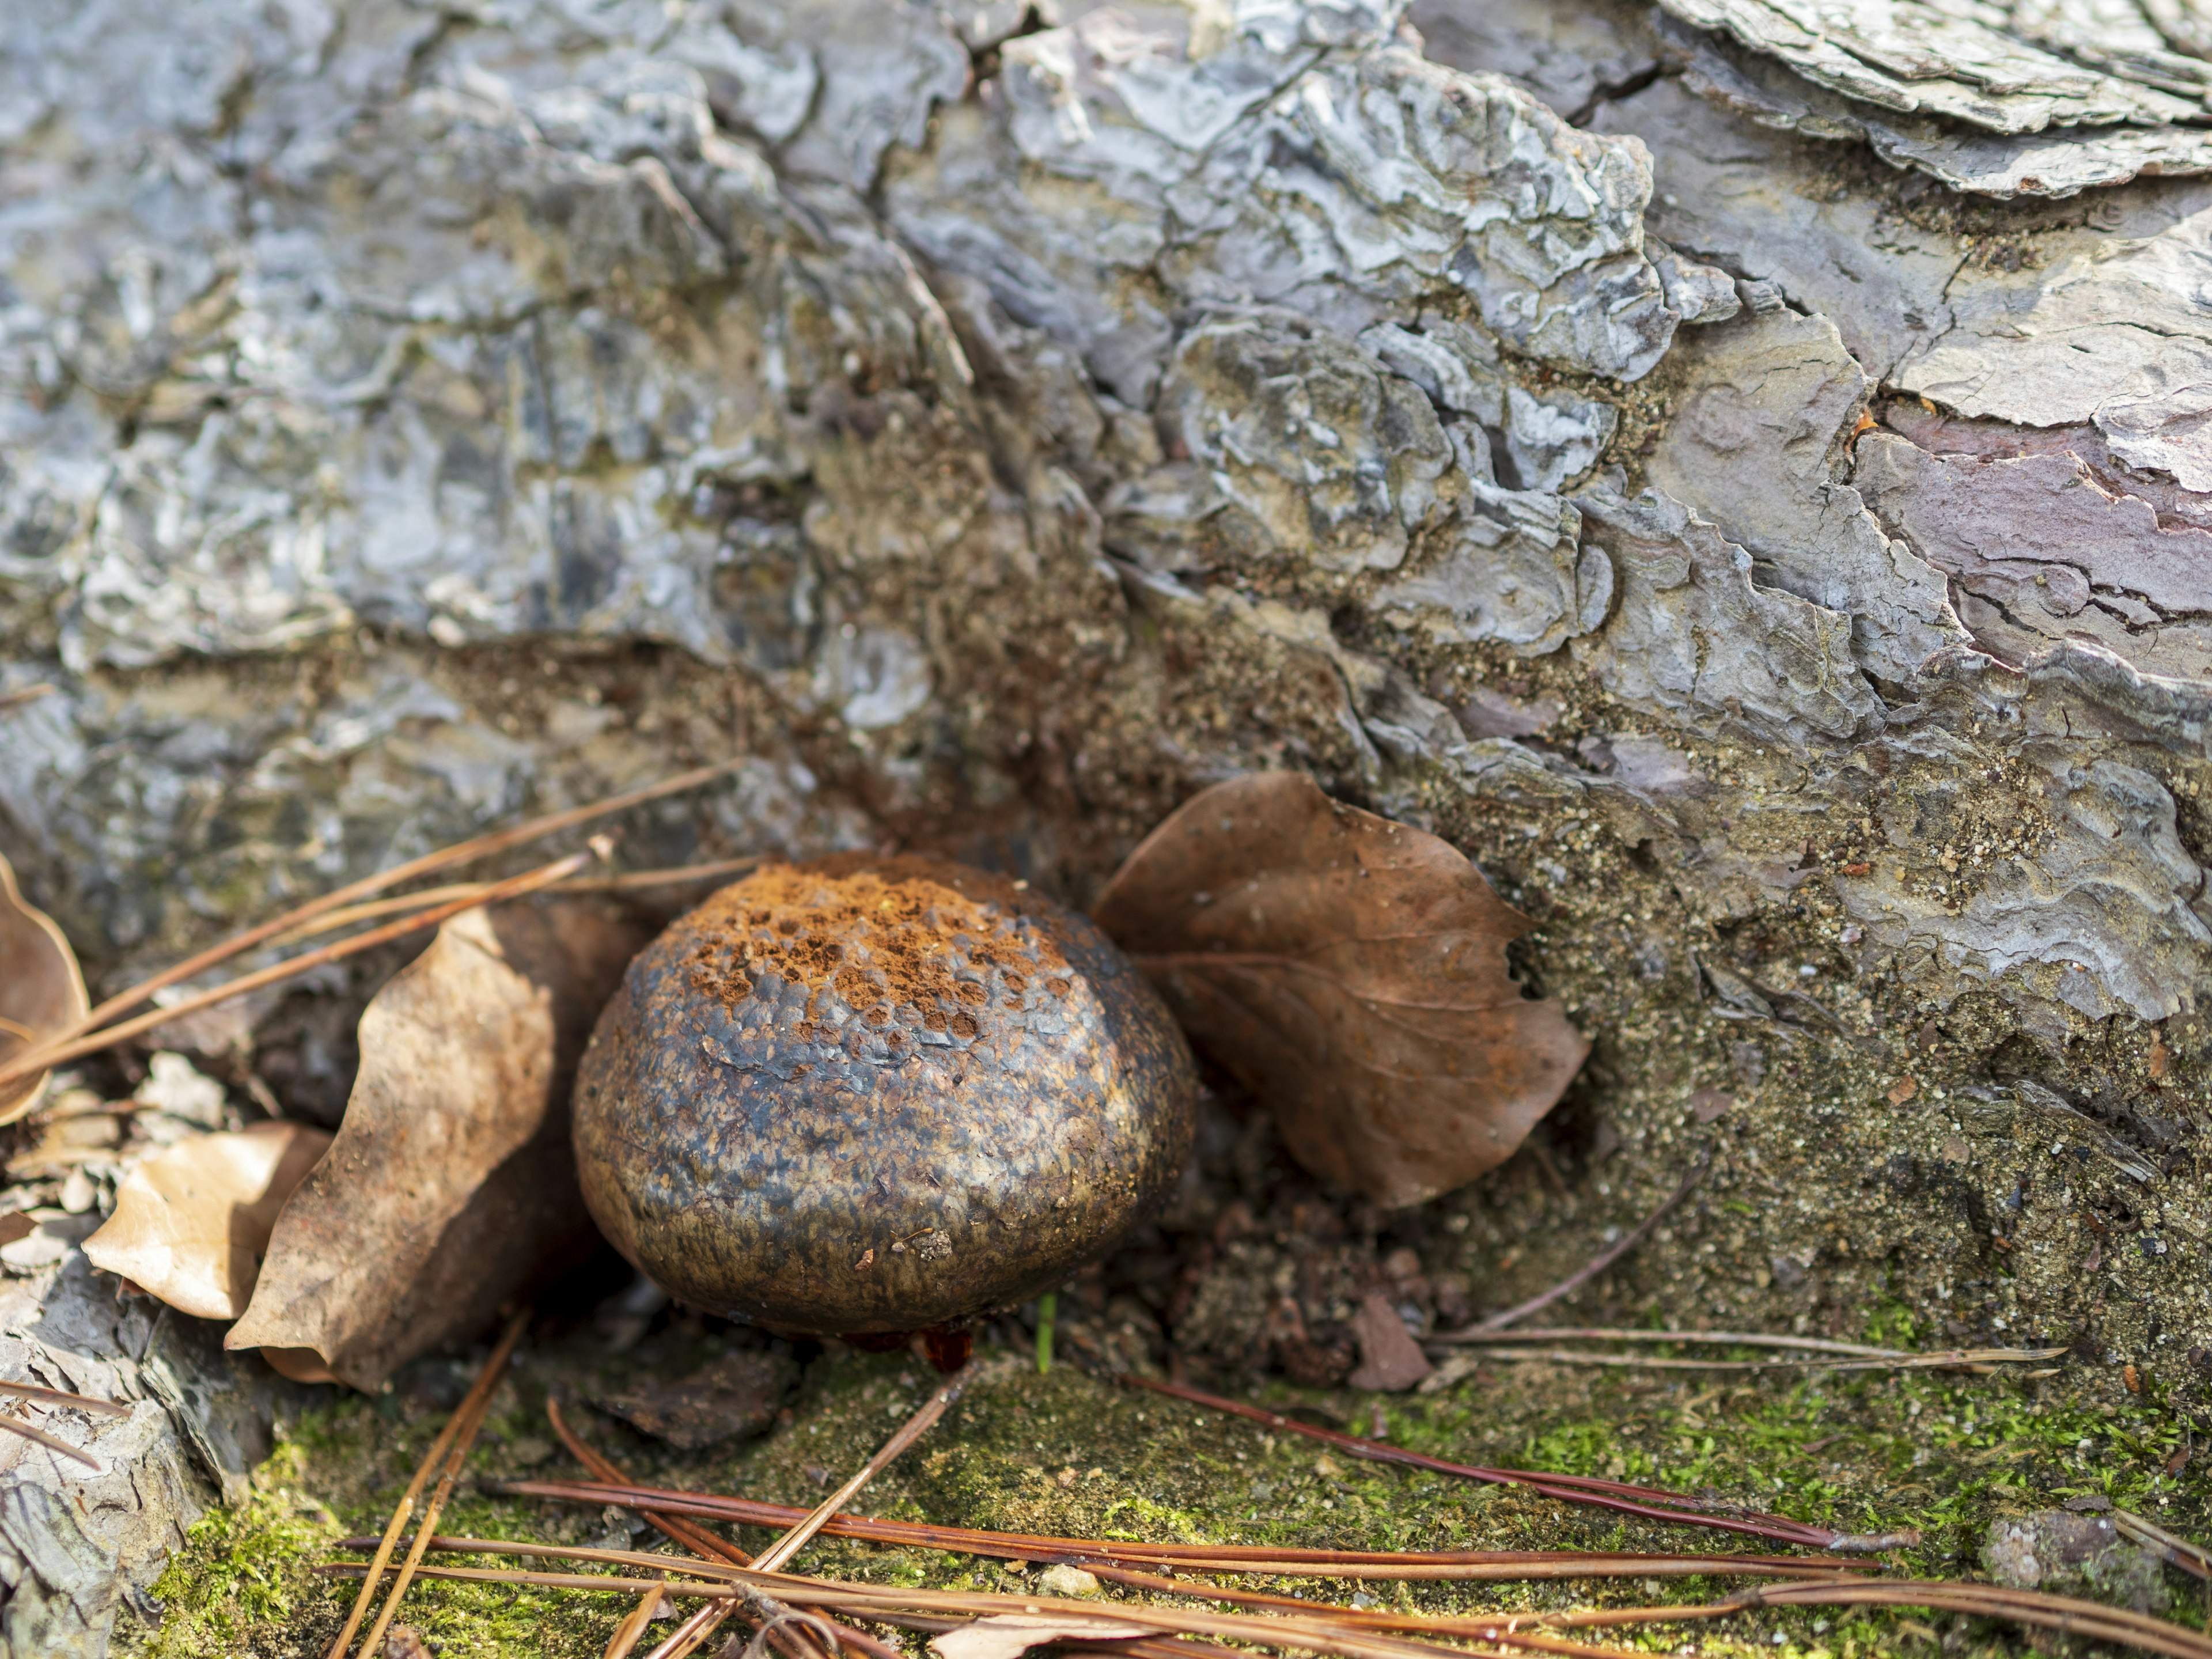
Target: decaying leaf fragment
191	1223
1007	1635
1350	971
449	1187
41	989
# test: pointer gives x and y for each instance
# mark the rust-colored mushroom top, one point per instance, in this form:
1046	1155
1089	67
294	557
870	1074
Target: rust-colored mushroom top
868	1094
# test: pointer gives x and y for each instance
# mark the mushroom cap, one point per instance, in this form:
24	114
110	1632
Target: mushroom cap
871	1095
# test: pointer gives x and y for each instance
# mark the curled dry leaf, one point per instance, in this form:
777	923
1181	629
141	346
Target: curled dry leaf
449	1187
41	989
1350	971
1007	1635
191	1223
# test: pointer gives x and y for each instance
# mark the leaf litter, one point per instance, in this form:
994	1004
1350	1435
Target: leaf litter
1313	954
191	1223
1351	972
41	991
450	1189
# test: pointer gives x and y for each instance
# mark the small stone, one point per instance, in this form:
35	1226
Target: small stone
175	1088
1067	1581
2075	1555
78	1193
1711	1104
1327	1467
1390	1361
530	1451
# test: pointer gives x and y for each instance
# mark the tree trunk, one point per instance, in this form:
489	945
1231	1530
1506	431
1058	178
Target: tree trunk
1766	530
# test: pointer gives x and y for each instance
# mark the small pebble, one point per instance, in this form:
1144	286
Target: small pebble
1067	1581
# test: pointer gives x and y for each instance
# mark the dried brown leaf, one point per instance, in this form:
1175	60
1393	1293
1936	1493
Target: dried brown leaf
449	1187
41	990
1008	1635
191	1223
1350	971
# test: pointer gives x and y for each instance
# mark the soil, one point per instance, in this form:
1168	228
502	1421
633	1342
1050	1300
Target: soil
1244	1285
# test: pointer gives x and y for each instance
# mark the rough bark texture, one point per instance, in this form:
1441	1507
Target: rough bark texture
1759	517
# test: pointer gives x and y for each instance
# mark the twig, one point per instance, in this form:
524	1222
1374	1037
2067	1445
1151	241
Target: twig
772	1613
23	694
1575	1281
915	1427
55	1052
466	852
2193	1559
697	1540
470	1417
51	1441
63	1397
1981	1360
1298	1621
1477	1336
487	1380
401	903
1646	1501
1354	1637
627	1631
1471	1565
2039	1608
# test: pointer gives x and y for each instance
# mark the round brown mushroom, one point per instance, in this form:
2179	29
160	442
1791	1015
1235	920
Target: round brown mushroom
873	1095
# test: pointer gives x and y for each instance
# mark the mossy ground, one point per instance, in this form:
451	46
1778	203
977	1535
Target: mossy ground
1072	1453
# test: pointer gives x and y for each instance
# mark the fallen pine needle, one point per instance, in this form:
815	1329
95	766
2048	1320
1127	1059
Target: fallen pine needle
1983	1361
83	1402
1604	1258
55	1052
1477	1336
2193	1559
1472	1565
697	1540
2037	1609
1372	1618
1325	1630
466	852
911	1431
52	1442
401	903
633	1626
1646	1501
480	1391
772	1613
23	694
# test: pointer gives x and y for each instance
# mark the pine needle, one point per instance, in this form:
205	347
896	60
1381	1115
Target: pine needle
1648	1502
56	1051
487	1380
52	1442
82	1402
466	851
1469	1565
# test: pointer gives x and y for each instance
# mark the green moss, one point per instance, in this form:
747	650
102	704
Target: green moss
1070	1453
